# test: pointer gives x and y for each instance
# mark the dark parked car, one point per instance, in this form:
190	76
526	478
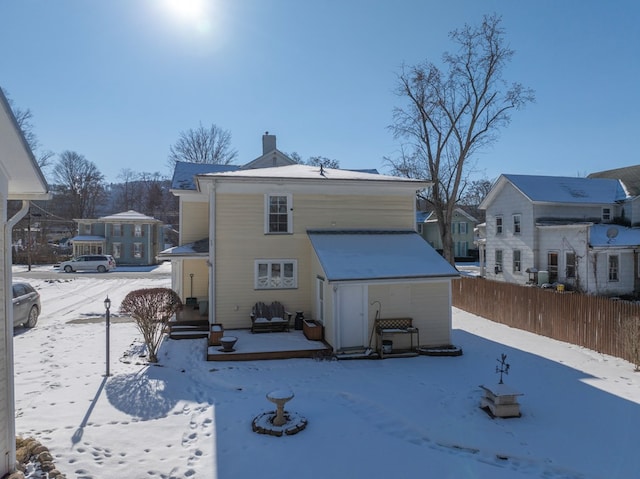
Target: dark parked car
26	305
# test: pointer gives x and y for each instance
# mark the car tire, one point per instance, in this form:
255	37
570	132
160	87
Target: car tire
33	317
102	269
68	269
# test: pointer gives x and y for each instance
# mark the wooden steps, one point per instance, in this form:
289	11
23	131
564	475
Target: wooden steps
189	329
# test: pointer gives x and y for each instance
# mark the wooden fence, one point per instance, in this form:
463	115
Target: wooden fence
598	323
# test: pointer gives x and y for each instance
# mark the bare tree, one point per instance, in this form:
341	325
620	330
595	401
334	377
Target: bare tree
126	190
475	191
315	161
203	145
79	184
151	309
24	118
450	115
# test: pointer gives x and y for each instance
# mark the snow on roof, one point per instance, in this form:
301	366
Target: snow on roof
308	172
608	235
185	172
130	215
375	255
197	248
564	189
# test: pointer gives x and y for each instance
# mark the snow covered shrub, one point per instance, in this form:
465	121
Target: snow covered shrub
151	309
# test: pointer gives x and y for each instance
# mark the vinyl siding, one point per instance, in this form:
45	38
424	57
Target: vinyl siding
194	222
241	240
427	303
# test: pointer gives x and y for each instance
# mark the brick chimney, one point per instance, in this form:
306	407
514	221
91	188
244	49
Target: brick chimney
268	143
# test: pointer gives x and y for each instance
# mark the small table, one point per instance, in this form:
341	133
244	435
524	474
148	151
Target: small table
502	400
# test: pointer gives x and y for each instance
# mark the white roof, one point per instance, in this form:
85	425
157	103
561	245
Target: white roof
378	255
130	216
305	172
608	235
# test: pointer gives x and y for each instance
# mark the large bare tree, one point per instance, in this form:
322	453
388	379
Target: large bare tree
203	145
80	185
451	113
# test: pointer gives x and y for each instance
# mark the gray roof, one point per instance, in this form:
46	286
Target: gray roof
563	189
197	248
378	255
185	172
629	175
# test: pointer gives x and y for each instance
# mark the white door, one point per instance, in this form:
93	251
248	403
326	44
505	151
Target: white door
351	316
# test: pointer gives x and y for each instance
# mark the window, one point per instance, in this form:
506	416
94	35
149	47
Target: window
137	250
498	267
462	228
419	228
117	250
570	264
606	214
86	228
516	224
276	274
614	261
517	262
552	266
498	225
137	231
278	214
117	229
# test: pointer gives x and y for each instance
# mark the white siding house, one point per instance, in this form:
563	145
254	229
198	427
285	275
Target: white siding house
546	229
20	179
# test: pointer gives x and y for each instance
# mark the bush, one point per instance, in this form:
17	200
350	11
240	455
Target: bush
151	309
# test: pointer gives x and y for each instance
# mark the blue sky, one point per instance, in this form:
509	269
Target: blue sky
118	80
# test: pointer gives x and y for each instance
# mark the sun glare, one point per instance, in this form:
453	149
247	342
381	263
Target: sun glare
187	10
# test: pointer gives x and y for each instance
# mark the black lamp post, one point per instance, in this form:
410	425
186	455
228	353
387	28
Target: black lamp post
107	305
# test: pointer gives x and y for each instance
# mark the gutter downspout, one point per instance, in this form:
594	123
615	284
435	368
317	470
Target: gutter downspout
8	317
212	254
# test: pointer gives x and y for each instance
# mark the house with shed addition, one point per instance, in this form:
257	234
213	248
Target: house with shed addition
20	179
339	245
580	232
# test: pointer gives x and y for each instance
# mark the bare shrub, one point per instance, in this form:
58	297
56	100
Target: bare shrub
151	309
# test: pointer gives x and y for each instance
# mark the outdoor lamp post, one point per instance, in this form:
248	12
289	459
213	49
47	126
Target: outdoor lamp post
107	305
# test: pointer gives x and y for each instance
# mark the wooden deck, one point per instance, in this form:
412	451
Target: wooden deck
260	346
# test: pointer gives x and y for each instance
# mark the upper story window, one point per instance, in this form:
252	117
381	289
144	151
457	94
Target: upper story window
498	225
276	274
278	214
462	228
137	231
86	228
606	214
516	224
117	229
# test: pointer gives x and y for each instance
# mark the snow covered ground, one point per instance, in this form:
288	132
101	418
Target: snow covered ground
401	418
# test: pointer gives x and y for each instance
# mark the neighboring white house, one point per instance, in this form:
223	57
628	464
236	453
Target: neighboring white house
20	179
574	231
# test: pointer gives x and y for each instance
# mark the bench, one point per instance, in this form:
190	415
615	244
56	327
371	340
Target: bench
390	326
269	319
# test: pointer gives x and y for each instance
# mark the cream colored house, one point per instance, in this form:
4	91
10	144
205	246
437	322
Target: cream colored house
338	245
20	179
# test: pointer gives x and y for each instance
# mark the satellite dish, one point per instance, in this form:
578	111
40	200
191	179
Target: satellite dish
612	233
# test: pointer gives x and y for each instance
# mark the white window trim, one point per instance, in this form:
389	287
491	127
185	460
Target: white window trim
617	279
499	217
289	197
117	249
257	282
517	265
518	223
609	214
